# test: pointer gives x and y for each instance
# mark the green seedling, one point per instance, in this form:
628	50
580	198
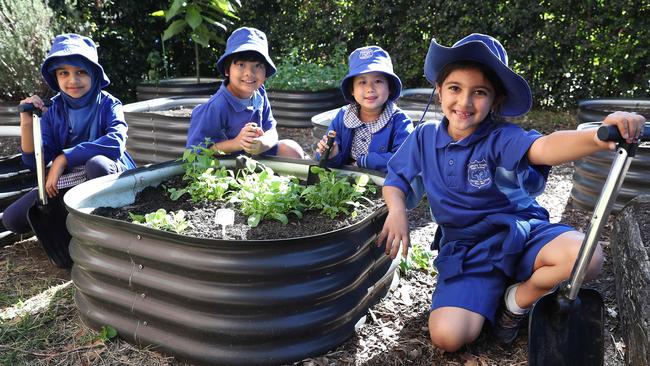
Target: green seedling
161	220
419	259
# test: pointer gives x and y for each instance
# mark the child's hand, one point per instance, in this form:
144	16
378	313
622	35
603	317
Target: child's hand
630	125
256	147
36	101
395	231
57	168
247	135
322	146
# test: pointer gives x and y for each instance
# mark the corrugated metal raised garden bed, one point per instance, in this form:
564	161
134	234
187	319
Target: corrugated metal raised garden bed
222	301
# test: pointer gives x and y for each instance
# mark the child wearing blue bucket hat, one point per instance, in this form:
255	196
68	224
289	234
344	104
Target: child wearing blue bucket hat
238	117
371	128
83	131
481	176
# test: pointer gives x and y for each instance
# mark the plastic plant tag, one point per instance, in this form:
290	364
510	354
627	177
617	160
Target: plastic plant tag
224	217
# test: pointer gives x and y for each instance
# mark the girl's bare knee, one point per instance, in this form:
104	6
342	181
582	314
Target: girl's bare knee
290	149
596	264
450	335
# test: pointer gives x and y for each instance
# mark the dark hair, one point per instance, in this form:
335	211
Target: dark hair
499	89
252	56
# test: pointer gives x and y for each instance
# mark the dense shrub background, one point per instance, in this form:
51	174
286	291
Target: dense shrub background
567	50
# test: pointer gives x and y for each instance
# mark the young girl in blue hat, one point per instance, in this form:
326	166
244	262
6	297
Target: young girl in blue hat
83	131
238	117
371	128
481	176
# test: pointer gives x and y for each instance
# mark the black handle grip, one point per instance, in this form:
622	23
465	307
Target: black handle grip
29	107
611	133
326	154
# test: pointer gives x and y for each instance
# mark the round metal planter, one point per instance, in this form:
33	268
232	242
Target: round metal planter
296	108
9	114
178	87
595	110
590	174
221	302
154	137
15	180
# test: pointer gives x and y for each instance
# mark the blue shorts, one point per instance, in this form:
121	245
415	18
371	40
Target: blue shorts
482	292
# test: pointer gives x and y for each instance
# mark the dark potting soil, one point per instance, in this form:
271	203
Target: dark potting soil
202	214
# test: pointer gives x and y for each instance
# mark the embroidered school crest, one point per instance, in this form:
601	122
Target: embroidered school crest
365	54
478	174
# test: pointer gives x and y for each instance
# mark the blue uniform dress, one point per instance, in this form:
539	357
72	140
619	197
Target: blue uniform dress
224	115
382	144
481	191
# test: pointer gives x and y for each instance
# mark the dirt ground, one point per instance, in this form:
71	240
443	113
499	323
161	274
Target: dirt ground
395	332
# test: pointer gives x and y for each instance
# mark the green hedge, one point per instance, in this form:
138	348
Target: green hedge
566	50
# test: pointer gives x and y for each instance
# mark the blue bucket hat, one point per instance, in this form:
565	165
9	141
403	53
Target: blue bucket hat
247	39
488	51
371	59
66	46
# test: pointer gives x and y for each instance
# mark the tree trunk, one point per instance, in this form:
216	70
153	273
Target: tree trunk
631	244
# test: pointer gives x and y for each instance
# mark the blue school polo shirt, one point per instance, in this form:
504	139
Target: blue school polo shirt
223	116
465	181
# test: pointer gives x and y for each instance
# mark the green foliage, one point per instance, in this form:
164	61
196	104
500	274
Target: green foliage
419	259
204	20
25	36
335	194
297	73
106	333
206	179
161	220
265	195
566	50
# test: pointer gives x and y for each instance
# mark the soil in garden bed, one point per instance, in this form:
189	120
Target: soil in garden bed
202	214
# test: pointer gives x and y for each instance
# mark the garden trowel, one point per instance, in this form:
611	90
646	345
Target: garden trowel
47	218
566	325
312	177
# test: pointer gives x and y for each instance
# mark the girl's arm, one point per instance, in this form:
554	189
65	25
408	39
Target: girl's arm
565	146
396	228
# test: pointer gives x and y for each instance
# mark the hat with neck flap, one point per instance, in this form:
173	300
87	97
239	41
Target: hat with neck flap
488	51
247	39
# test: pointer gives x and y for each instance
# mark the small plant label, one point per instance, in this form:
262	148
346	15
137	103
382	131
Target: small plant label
224	217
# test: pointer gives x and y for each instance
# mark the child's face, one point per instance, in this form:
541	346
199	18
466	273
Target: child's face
245	77
371	91
466	97
73	80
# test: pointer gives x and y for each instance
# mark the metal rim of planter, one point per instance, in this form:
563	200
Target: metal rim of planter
593	110
154	137
296	108
177	87
9	114
15	181
231	302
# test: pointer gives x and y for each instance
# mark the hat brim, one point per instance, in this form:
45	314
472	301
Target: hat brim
270	70
395	87
519	98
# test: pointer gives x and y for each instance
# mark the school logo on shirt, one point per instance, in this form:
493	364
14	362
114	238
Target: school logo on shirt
478	174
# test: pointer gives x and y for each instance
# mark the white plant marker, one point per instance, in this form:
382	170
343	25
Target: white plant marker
224	217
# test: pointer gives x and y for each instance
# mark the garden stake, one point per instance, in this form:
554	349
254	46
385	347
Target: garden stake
47	219
224	217
312	178
566	325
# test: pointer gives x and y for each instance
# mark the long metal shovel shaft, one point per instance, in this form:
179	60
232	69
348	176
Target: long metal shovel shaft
603	207
40	159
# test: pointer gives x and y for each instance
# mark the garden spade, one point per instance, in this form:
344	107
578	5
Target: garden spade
47	219
566	325
312	178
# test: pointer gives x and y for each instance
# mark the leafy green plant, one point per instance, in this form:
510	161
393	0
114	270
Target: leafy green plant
203	19
297	73
106	333
207	180
161	220
263	195
336	194
419	259
25	36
